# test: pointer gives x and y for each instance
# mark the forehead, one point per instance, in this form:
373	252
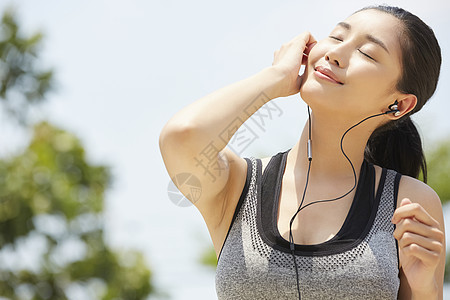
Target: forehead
379	24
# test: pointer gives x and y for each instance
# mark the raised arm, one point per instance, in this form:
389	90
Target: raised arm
207	125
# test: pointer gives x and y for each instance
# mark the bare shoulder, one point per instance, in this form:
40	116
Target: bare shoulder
219	224
238	174
421	193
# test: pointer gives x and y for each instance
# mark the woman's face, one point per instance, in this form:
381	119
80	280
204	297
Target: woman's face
363	53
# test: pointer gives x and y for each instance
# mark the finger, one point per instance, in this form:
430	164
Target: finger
405	201
311	39
413	210
303	40
306	53
309	47
304	59
416	227
409	238
429	258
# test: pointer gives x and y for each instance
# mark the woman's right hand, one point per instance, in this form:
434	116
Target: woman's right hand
289	59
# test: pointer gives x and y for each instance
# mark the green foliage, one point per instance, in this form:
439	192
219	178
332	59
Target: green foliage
447	270
208	257
438	163
22	82
50	191
50	177
52	199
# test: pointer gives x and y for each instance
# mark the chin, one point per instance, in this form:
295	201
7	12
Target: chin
312	91
320	97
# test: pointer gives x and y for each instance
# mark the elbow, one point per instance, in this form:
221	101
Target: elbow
174	135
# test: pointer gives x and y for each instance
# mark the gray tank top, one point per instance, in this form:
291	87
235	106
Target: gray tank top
253	266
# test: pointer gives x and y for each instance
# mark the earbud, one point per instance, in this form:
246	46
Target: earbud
394	109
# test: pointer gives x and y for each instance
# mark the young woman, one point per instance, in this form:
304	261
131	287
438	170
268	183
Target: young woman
340	215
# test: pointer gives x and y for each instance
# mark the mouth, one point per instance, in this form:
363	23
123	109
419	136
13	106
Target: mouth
326	74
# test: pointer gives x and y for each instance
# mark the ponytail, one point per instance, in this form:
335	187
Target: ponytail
397	145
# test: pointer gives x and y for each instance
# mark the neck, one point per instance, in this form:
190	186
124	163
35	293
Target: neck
328	161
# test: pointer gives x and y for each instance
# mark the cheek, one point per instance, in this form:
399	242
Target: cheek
314	56
369	78
317	52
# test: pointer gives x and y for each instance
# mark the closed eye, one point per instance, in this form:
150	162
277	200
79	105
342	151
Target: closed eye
341	40
366	54
336	38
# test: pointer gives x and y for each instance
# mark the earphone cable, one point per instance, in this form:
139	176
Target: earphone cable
291	238
353	169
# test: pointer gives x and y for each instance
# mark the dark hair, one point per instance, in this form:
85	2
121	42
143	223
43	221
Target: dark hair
397	145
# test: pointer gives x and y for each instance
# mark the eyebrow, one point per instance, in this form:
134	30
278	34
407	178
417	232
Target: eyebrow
368	36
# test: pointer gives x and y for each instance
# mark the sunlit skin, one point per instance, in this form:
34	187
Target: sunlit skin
368	82
368	68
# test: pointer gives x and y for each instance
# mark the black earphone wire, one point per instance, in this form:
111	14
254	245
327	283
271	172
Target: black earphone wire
291	238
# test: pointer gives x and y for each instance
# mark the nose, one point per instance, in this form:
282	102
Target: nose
337	55
332	59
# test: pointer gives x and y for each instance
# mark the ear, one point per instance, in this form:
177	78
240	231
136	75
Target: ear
406	103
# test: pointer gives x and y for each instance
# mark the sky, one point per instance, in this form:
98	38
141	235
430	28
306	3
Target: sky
125	67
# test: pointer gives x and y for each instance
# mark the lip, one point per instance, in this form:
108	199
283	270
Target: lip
327	74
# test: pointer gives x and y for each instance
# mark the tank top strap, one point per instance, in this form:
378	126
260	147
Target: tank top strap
248	191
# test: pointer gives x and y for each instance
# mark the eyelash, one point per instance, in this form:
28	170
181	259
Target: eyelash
340	40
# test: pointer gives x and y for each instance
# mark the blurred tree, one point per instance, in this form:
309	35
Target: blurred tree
50	196
438	163
52	243
208	257
22	82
